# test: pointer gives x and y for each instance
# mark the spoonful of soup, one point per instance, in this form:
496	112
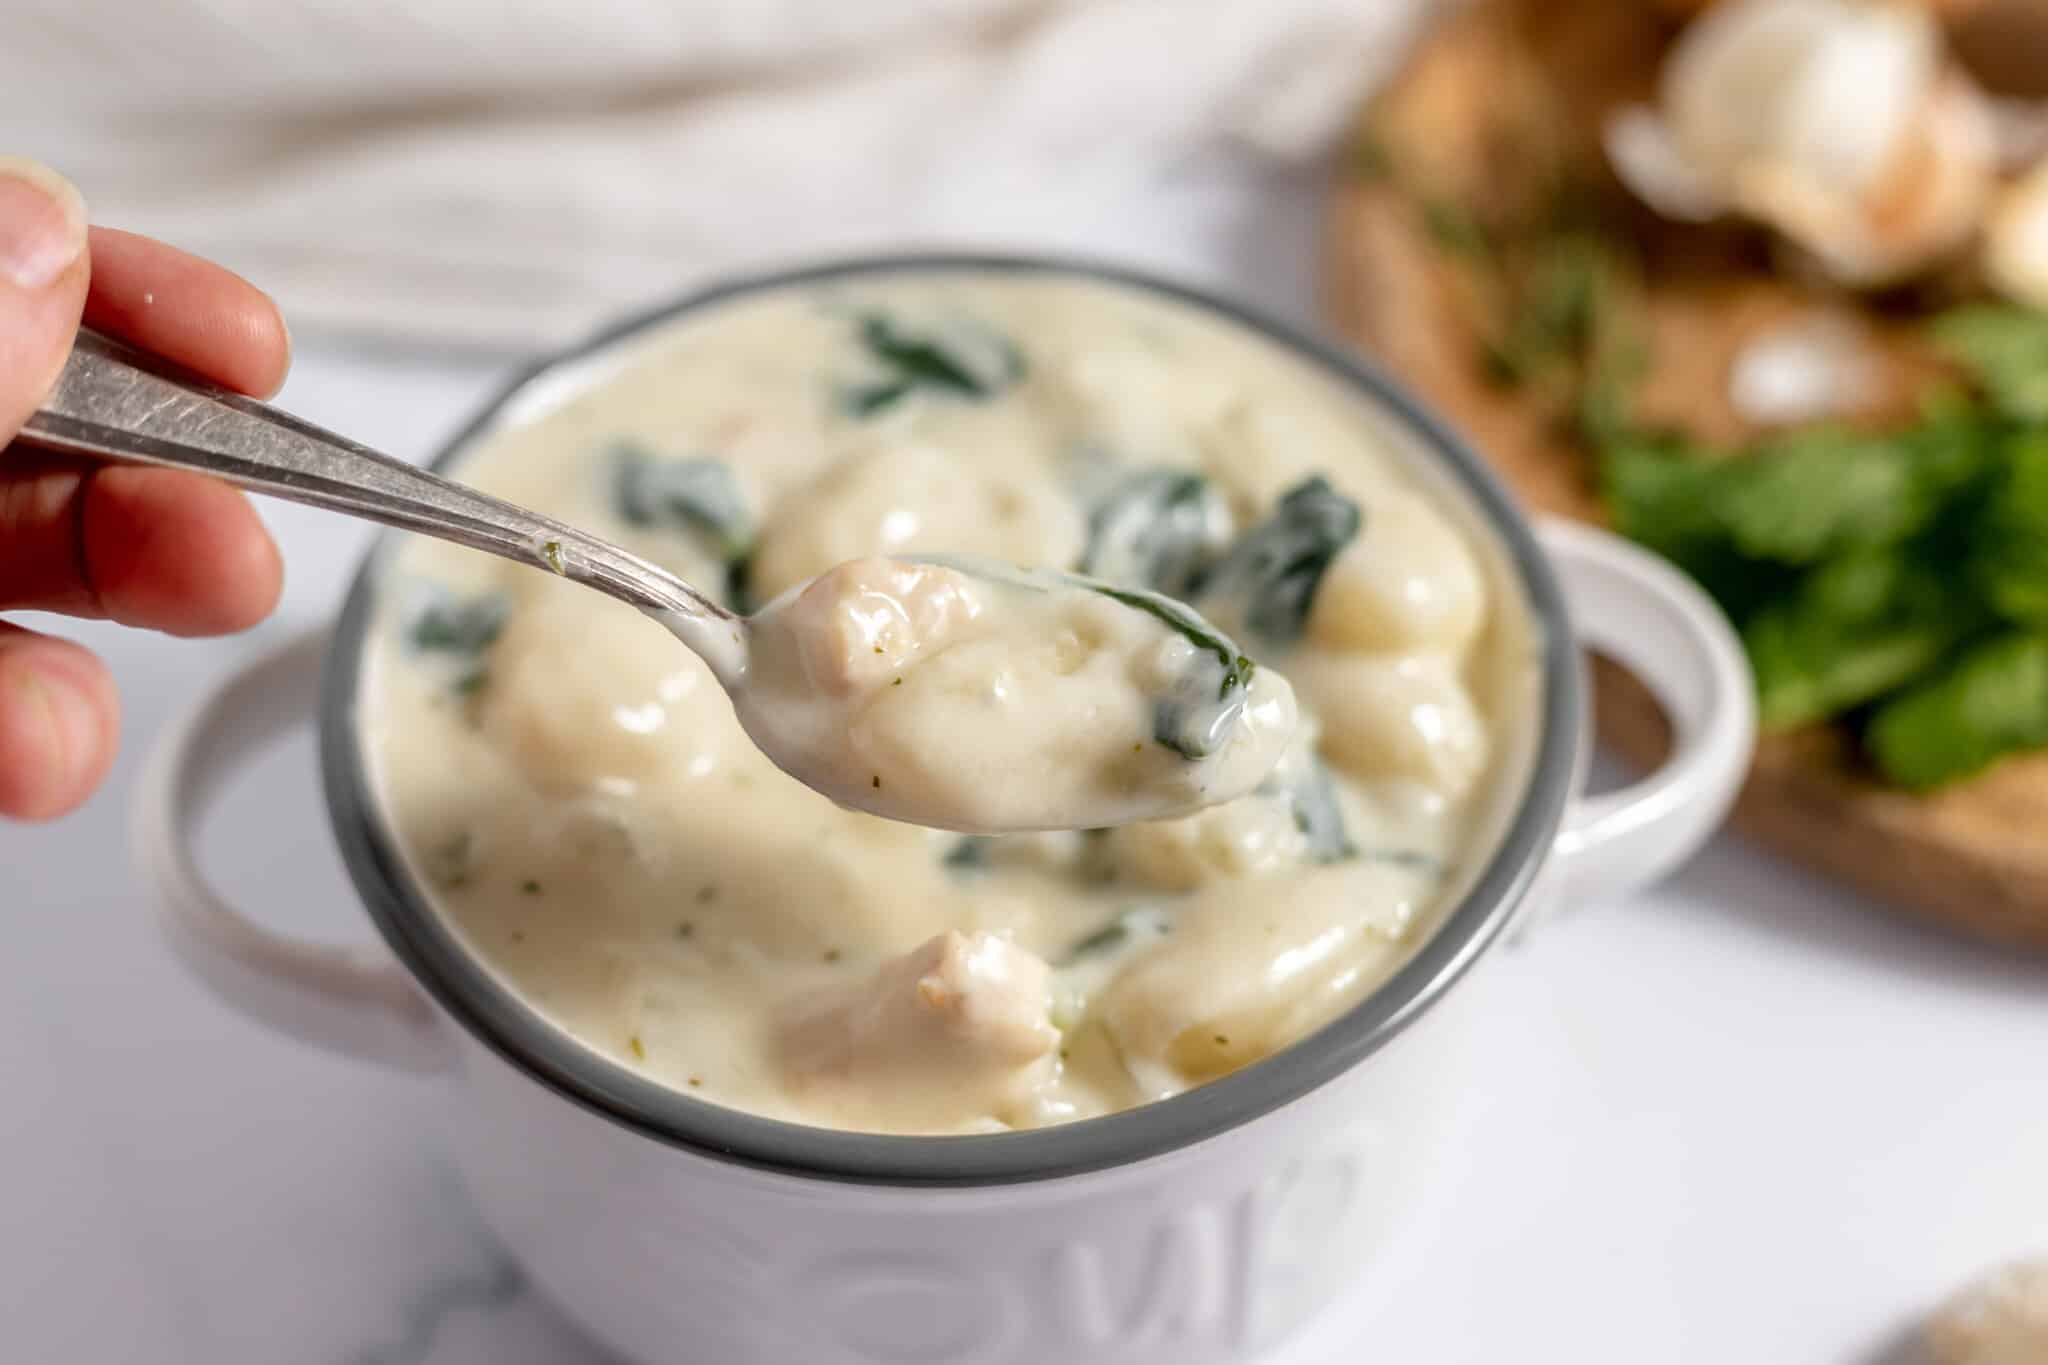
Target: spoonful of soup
955	692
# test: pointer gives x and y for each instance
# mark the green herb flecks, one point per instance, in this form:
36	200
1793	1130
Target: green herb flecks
451	863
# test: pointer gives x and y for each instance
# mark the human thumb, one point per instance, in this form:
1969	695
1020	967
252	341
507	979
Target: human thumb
43	276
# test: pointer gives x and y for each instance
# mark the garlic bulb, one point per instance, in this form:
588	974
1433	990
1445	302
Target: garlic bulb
1840	123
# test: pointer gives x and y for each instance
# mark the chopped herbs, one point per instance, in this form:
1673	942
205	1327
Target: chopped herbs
451	864
1850	632
2006	351
1158	529
1270	576
638	1048
1896	581
530	887
551	555
2010	555
965	361
1991	702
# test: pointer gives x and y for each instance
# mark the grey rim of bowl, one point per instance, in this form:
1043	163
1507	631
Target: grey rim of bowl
523	1037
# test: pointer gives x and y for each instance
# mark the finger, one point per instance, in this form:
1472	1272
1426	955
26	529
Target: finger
146	547
194	312
42	283
59	723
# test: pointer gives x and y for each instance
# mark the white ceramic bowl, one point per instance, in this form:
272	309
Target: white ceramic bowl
1200	1229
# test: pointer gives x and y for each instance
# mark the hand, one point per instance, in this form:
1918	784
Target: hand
146	547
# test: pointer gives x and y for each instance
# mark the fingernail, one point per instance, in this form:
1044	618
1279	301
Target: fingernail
42	223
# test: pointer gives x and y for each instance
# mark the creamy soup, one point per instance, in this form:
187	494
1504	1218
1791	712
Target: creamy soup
584	806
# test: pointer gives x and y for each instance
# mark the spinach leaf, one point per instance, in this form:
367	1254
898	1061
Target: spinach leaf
697	495
1157	529
443	623
968	854
1199	710
456	632
1319	817
1134	928
1991	702
1197	715
1270	575
966	361
1311	797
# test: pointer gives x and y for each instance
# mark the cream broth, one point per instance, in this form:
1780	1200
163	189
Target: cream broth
588	811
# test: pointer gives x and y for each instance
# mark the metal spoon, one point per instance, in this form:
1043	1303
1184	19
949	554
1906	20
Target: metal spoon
115	402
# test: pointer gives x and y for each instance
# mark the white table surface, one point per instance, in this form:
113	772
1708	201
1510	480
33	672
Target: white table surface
1746	1118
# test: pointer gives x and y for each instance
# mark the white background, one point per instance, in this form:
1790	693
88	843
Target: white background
1746	1118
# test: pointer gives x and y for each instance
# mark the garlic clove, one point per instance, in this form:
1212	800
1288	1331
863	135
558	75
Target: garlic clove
1806	370
1928	203
2016	241
1646	158
1827	85
1835	122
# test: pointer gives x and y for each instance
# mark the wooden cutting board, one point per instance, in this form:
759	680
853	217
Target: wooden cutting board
1501	105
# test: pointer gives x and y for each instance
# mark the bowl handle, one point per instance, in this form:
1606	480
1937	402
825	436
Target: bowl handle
355	1001
1649	617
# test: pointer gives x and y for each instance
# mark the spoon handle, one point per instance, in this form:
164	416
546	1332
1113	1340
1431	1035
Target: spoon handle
114	402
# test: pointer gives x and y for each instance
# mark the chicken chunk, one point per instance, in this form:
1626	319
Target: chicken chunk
960	1024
